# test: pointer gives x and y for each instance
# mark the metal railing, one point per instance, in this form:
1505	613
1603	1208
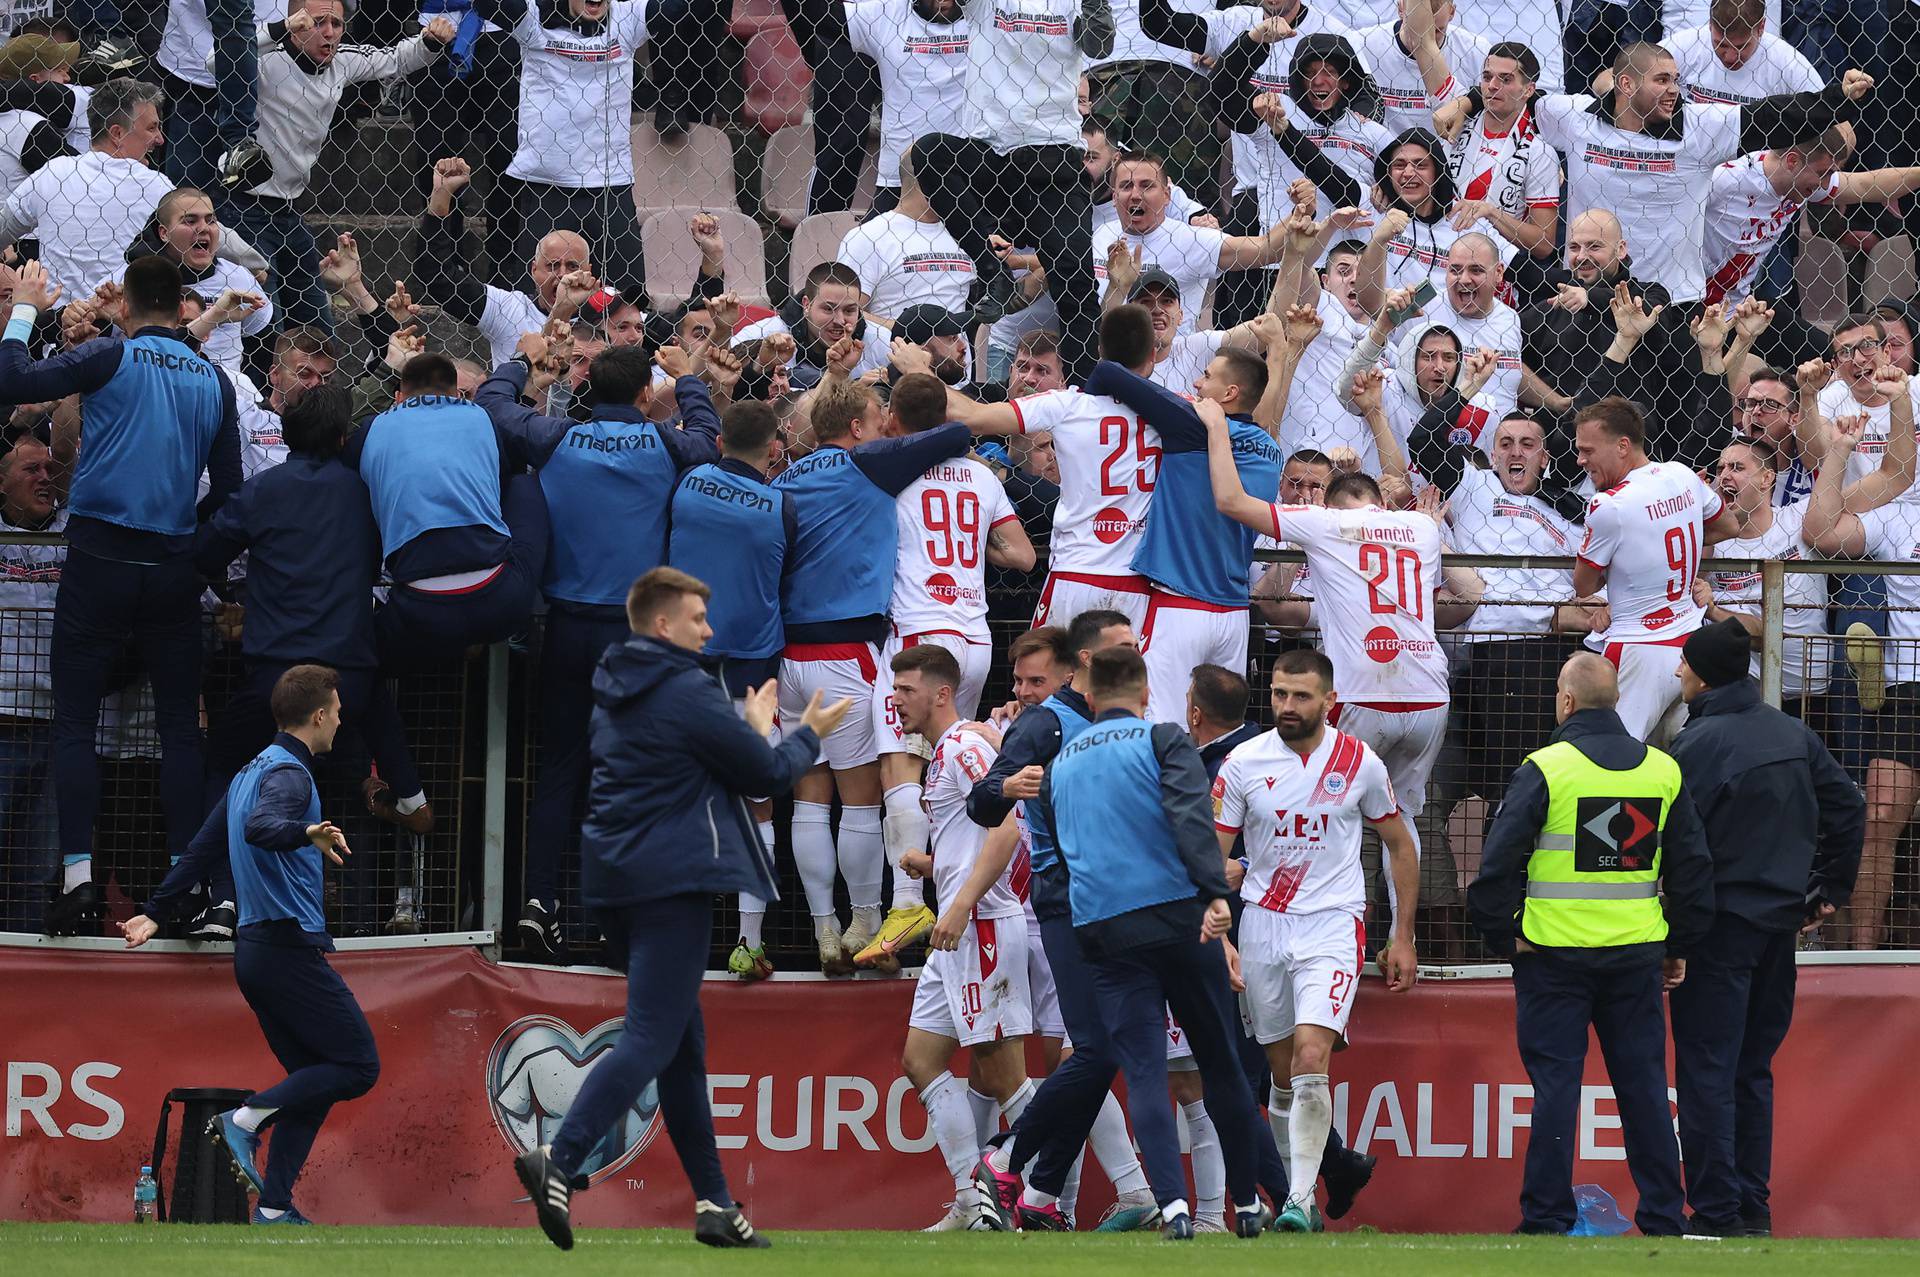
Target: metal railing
472	730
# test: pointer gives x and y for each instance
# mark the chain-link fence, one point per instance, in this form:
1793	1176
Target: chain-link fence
1433	216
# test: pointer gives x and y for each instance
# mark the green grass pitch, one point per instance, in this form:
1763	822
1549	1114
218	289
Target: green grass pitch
57	1250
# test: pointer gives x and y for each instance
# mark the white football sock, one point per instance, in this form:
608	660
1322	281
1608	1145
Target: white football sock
1209	1165
753	916
813	853
1178	1206
862	857
986	1114
1032	1196
1017	1103
1070	1186
248	1118
1279	1111
1308	1124
905	828
945	1098
77	871
1113	1149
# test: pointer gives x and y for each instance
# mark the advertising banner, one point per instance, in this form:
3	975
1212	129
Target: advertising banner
817	1126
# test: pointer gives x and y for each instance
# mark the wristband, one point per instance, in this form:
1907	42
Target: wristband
602	302
20	323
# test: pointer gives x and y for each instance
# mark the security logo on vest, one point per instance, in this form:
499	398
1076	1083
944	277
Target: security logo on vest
1616	835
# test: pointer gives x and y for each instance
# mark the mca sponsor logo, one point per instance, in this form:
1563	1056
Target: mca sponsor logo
1112	524
534	1073
1659	620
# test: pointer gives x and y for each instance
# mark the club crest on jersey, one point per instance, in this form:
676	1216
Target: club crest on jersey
1335	784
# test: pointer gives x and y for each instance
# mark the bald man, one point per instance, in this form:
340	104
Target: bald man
1565	332
1570	876
561	270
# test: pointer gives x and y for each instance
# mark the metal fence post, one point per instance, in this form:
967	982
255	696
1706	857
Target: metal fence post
493	841
1773	613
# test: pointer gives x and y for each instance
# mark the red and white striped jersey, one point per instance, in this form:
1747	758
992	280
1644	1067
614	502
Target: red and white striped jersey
1746	217
1301	819
961	758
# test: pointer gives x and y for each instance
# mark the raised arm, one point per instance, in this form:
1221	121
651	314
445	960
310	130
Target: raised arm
1093	29
1830	528
1159	21
442	264
1229	497
1373	262
1895	474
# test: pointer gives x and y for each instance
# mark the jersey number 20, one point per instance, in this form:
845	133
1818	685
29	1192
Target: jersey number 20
1377	563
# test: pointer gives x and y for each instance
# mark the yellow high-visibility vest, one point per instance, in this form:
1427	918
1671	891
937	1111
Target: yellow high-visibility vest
1593	878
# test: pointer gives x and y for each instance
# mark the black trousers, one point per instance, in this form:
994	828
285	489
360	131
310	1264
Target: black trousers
1556	999
1729	1017
573	648
102	605
317	1031
1033	195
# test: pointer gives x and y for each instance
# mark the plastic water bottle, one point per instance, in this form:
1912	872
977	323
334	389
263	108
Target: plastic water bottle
1599	1214
146	1194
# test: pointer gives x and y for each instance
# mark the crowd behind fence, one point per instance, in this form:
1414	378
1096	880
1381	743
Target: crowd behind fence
466	874
1444	227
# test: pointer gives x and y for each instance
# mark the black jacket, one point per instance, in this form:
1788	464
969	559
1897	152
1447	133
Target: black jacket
1497	896
672	764
1784	821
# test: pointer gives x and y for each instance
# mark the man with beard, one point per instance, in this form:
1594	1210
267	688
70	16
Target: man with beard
941	340
1650	159
1564	335
1746	478
827	310
1377	573
1299	796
